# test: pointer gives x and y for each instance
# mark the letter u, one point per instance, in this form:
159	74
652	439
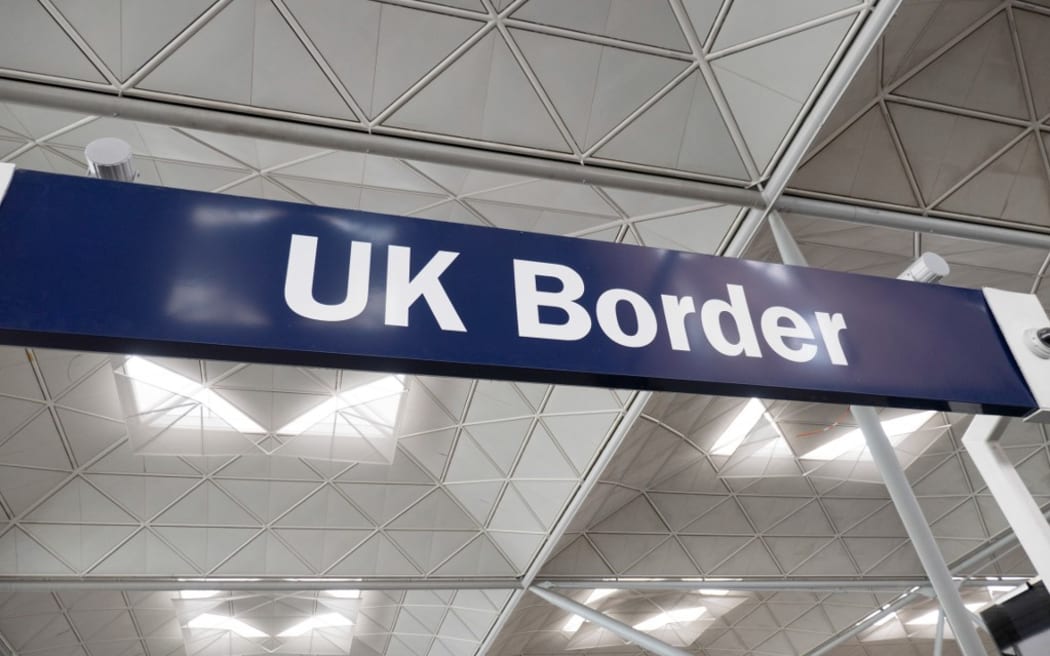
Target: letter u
299	281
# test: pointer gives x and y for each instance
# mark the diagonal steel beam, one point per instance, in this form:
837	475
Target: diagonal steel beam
851	62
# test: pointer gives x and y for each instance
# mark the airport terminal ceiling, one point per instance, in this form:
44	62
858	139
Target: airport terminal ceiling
317	511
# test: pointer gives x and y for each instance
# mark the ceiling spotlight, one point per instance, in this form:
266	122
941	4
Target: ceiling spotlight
110	159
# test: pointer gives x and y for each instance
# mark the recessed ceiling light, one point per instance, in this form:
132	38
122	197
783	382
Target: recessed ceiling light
575	622
739	428
322	621
223	623
897	430
671	617
198	594
154	375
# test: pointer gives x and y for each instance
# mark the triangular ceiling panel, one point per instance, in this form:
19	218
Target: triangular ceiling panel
30	40
923	27
21	488
579	558
643	21
861	162
1014	186
501	441
320	548
479	558
752	560
668	559
764	95
435	511
483	95
700	141
254	58
943	148
1032	29
20	554
223	47
372	60
37	443
616	81
753	19
477	498
980	73
80	546
699	232
378	557
622	550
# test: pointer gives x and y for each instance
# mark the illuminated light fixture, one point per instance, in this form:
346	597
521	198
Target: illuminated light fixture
372	409
157	376
198	594
884	619
344	594
575	622
744	422
223	623
930	618
715	593
323	621
671	617
896	429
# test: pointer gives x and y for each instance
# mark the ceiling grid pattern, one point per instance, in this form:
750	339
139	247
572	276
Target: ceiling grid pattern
948	117
944	70
504	74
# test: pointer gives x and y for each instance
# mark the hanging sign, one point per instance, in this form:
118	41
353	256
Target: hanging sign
93	265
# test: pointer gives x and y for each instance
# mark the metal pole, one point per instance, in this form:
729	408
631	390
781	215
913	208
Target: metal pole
918	530
938	647
900	491
836	641
1009	490
628	633
757	585
914	222
152	584
851	62
293	130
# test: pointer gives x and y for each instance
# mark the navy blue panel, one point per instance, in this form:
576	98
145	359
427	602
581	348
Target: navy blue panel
88	264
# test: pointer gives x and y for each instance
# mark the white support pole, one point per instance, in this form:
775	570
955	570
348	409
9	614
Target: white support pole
900	491
1020	509
938	646
922	540
628	633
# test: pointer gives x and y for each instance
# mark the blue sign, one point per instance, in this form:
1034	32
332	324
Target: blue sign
94	265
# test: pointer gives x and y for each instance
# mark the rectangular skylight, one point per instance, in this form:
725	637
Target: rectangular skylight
671	617
344	594
198	594
323	621
154	375
223	623
897	430
370	408
575	622
739	429
930	618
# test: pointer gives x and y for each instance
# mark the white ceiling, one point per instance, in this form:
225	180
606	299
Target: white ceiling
946	117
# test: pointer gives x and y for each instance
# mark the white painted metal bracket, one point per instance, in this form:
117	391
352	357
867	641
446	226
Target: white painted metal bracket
1019	316
7	171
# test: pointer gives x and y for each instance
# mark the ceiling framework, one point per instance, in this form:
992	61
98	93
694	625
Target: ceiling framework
494	485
